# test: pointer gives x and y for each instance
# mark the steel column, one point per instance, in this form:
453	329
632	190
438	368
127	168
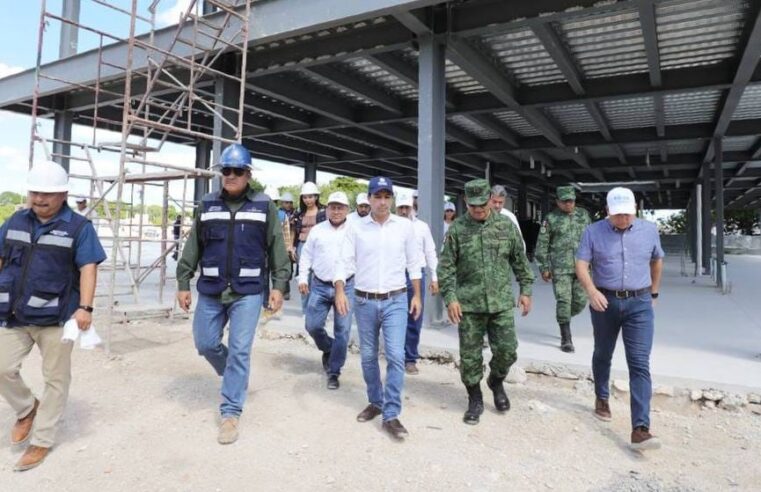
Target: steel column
203	161
310	169
699	230
431	146
62	120
62	123
226	95
706	218
719	183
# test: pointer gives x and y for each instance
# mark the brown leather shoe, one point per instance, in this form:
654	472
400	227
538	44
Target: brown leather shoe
395	429
411	368
369	413
33	456
643	440
602	410
22	429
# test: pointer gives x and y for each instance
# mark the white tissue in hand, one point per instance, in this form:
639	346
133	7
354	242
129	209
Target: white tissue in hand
70	331
87	339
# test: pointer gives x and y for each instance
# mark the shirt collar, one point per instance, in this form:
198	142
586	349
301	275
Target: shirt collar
65	214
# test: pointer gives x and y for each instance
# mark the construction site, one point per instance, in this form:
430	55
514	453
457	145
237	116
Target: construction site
660	96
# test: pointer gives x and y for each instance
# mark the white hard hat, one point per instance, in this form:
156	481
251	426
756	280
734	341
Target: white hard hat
404	201
338	197
362	199
47	177
286	197
309	188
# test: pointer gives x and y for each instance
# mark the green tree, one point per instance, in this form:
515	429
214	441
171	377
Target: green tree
744	221
676	224
11	198
6	211
155	212
256	185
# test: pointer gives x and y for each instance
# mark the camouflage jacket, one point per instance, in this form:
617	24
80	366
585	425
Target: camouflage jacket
558	240
475	263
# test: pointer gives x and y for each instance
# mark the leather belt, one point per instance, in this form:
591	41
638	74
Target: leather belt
330	283
381	296
624	294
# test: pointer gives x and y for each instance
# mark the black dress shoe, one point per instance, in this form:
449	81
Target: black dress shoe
395	429
333	383
325	360
369	413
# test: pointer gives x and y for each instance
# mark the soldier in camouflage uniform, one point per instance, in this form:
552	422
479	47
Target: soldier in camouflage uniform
480	249
555	250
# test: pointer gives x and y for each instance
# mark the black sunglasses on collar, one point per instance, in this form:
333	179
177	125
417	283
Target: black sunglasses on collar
226	171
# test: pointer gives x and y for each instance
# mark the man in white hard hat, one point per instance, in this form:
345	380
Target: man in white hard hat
318	258
426	258
363	208
48	275
626	261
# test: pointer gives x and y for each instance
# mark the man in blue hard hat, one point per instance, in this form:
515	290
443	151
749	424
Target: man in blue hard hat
234	238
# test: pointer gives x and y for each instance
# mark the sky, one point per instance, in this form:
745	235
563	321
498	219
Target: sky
18	51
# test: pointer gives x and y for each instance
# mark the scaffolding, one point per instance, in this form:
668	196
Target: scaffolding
161	96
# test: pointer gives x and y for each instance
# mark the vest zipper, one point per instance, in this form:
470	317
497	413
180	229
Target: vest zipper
230	235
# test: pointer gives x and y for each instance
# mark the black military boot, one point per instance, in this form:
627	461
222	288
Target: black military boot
566	344
475	405
501	401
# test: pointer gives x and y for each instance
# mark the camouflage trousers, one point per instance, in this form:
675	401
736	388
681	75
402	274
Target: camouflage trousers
500	328
570	297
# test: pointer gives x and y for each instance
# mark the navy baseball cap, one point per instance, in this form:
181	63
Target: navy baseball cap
379	183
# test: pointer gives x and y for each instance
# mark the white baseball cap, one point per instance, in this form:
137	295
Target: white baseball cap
362	199
449	206
621	201
404	201
338	197
414	194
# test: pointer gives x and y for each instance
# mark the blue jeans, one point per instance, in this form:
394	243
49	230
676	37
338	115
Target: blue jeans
322	295
304	298
634	318
232	363
390	317
414	325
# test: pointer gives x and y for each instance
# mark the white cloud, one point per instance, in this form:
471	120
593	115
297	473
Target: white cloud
172	14
6	70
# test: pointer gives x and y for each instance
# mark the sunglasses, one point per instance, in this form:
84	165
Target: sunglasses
226	171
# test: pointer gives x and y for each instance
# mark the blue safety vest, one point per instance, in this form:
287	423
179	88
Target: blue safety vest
234	245
38	275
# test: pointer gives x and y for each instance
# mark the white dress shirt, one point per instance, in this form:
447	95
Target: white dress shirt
426	248
320	253
514	219
352	217
379	254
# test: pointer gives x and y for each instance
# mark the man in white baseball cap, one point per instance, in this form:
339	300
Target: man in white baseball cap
450	214
626	261
318	258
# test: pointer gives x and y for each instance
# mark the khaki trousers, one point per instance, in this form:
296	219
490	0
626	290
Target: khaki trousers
15	345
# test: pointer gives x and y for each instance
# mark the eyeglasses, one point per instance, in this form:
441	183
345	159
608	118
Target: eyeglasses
226	171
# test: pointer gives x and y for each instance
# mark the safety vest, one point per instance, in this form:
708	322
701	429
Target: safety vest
38	274
234	246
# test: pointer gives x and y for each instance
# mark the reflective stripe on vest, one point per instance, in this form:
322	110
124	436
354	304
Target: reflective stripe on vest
21	236
255	216
63	242
206	216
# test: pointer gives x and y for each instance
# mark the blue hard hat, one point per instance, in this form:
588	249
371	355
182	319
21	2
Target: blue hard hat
235	155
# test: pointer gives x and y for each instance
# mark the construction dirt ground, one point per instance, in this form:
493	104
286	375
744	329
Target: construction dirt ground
145	418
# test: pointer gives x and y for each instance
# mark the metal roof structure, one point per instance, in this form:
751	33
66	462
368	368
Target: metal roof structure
547	91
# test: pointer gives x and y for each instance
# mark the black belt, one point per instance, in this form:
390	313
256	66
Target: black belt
379	297
624	294
330	283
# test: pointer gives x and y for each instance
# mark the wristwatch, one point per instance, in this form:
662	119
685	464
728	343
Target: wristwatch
89	309
654	295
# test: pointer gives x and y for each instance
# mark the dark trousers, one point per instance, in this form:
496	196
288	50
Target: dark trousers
634	318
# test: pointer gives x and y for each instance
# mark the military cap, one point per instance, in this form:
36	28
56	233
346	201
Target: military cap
566	193
477	192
